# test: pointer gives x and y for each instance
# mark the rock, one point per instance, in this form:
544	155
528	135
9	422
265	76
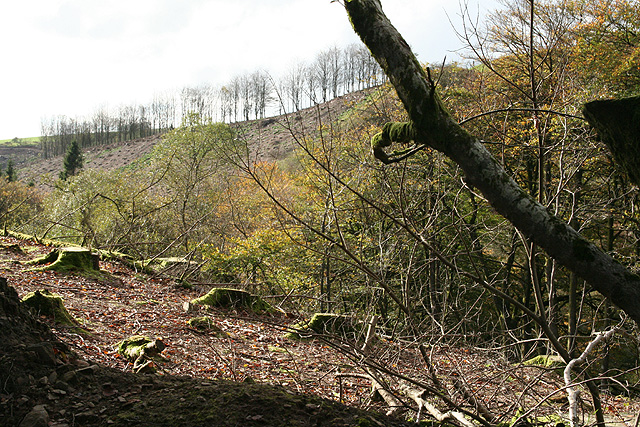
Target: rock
89	370
85	418
37	417
187	307
43	352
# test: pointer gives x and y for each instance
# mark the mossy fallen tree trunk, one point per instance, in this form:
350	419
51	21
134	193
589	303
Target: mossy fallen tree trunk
45	303
68	259
431	125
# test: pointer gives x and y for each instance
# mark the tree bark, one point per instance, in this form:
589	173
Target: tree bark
618	124
432	125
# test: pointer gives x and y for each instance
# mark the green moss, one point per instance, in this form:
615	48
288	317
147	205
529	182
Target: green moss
393	132
141	350
50	305
546	362
133	347
68	259
234	298
323	323
401	132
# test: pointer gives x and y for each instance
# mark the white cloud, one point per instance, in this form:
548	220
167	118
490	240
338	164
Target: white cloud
68	57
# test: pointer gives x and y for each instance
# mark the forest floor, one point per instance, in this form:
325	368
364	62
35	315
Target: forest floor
249	375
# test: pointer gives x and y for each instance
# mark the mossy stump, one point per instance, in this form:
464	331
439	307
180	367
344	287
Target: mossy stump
234	298
141	351
68	259
322	324
50	305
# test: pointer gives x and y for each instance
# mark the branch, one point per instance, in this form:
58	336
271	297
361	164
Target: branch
432	125
574	394
418	396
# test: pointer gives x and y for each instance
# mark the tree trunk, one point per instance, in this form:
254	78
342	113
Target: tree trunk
433	126
618	124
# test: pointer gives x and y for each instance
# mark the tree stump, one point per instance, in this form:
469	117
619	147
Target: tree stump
234	298
207	324
141	351
69	259
50	305
326	323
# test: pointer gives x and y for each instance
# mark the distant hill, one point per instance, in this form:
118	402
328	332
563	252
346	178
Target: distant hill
270	138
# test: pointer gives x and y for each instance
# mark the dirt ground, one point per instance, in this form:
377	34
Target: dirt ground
249	375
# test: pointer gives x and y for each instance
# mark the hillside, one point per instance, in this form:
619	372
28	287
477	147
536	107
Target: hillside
246	373
270	137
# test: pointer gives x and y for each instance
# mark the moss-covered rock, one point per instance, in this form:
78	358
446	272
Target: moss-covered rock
325	323
141	351
551	362
207	324
50	305
68	259
234	298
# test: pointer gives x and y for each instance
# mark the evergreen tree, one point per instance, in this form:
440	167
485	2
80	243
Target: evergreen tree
72	161
12	175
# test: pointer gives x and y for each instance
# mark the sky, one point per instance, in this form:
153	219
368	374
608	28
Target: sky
72	57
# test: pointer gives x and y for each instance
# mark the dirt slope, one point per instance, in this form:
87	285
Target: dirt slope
249	376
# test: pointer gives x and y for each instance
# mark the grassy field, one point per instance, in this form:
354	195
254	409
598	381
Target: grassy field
14	142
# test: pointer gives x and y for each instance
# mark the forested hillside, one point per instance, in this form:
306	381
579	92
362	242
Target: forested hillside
352	208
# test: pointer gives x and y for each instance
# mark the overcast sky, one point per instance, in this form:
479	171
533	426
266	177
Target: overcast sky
69	57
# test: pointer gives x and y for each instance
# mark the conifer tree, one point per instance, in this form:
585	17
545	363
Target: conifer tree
72	161
11	172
